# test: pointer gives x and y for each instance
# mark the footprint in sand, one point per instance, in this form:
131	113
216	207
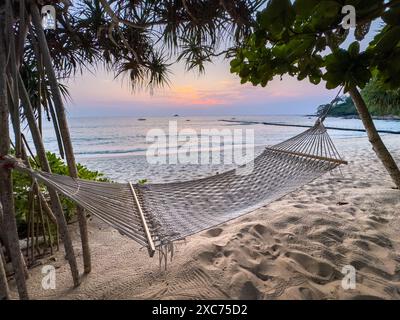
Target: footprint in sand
304	293
249	292
378	239
315	269
364	245
379	219
242	286
212	233
300	206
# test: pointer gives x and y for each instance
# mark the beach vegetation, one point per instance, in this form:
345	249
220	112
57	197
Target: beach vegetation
23	190
380	100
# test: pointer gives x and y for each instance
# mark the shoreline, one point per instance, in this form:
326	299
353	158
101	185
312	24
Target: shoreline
356	117
305	126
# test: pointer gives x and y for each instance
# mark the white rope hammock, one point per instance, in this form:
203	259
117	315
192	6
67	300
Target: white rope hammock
155	215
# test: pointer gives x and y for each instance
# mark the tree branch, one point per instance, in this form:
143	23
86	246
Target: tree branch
118	19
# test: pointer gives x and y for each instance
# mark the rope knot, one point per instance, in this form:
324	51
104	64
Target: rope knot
8	165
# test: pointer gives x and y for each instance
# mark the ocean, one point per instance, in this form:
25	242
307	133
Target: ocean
117	146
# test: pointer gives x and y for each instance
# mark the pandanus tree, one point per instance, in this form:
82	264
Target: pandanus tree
139	39
306	39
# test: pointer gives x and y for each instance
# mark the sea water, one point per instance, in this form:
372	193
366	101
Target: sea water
117	146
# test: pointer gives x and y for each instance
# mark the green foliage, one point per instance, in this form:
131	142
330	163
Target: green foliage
304	39
22	186
347	67
380	102
344	107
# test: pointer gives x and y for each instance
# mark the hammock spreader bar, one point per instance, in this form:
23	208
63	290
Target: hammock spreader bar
151	248
300	154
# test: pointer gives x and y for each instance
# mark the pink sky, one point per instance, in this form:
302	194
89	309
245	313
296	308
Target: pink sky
217	92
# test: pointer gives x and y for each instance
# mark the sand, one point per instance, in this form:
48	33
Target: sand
294	248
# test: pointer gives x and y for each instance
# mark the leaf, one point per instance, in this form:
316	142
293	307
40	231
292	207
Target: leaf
354	49
304	8
367	8
315	79
331	85
278	15
235	63
326	13
244	72
392	16
362	76
388	39
333	79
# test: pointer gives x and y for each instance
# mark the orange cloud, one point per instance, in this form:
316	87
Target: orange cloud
208	102
190	95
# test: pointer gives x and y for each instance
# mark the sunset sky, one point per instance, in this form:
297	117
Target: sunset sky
217	92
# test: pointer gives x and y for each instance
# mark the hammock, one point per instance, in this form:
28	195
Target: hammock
155	215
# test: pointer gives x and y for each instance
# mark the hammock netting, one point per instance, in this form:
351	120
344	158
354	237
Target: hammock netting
155	215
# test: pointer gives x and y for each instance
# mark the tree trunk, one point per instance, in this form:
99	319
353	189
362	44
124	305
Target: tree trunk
4	291
13	79
56	127
6	187
47	100
63	124
4	240
373	136
3	237
55	201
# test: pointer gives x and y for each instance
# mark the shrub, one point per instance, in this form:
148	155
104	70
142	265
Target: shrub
22	185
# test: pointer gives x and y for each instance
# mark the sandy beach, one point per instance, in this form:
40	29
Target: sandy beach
294	248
